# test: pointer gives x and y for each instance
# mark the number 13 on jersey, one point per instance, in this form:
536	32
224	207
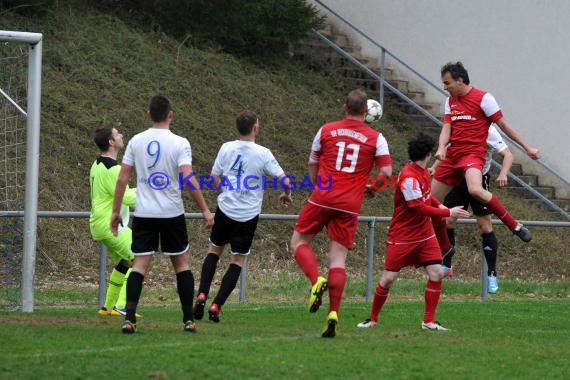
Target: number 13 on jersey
347	152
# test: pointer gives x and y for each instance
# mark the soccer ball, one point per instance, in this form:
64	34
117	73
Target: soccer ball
374	113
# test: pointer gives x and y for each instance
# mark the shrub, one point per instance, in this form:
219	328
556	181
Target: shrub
241	27
27	7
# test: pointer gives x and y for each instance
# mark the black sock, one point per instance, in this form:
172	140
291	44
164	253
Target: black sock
451	235
121	268
134	289
229	282
185	285
207	274
490	247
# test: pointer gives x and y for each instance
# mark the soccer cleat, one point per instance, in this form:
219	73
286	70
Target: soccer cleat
199	306
329	329
122	312
365	324
523	233
214	313
104	312
190	326
492	284
435	326
447	272
129	327
316	295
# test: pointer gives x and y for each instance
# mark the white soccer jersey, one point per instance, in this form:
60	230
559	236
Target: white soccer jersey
495	143
243	167
157	155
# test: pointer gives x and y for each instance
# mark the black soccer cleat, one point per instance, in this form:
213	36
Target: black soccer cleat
199	307
523	233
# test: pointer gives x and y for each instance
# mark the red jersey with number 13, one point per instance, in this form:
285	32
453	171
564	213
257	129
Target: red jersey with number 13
347	149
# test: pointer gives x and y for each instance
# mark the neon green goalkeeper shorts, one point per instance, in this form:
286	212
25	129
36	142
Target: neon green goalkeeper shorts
119	247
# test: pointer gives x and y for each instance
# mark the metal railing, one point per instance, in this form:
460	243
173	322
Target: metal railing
382	83
370	220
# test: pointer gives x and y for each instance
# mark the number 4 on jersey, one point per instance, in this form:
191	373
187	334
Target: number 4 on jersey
237	166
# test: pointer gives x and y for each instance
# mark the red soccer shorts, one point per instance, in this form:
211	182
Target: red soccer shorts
341	226
451	170
400	255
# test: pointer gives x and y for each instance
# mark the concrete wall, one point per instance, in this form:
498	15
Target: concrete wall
516	50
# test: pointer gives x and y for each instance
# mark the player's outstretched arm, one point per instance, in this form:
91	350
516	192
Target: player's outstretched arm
532	152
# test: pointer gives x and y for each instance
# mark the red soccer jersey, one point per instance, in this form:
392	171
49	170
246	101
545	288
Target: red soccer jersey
470	117
407	224
347	150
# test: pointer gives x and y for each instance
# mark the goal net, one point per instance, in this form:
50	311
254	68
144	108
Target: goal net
20	83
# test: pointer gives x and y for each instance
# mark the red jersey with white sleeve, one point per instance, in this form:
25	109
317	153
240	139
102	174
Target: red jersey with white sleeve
470	117
346	151
413	207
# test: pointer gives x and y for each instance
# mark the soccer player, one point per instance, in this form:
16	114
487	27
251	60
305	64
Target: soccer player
343	153
103	179
469	112
411	237
239	170
459	196
163	163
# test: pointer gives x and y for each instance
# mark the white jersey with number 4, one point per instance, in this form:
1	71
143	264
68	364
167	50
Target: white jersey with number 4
243	165
157	155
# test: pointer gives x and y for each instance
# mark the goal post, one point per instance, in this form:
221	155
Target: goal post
32	114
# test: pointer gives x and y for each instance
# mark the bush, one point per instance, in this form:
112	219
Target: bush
27	7
241	27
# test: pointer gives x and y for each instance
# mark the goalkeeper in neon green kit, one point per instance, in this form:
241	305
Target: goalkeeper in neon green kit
103	179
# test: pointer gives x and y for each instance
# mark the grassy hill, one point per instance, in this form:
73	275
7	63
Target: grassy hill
97	69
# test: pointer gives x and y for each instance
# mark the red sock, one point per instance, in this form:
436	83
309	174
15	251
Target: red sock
337	281
380	296
501	212
440	229
431	295
307	261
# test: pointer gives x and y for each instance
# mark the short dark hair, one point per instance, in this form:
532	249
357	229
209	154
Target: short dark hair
356	102
159	107
102	135
456	70
245	121
420	146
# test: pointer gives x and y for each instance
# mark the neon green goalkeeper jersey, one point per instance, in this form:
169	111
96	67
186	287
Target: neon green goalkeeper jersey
103	180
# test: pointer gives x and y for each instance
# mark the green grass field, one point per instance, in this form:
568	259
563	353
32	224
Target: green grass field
522	333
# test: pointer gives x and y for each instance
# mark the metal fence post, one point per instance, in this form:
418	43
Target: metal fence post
382	78
102	273
484	278
370	260
242	281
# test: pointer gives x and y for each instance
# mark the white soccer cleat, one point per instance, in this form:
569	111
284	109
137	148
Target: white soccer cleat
433	326
492	284
365	324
